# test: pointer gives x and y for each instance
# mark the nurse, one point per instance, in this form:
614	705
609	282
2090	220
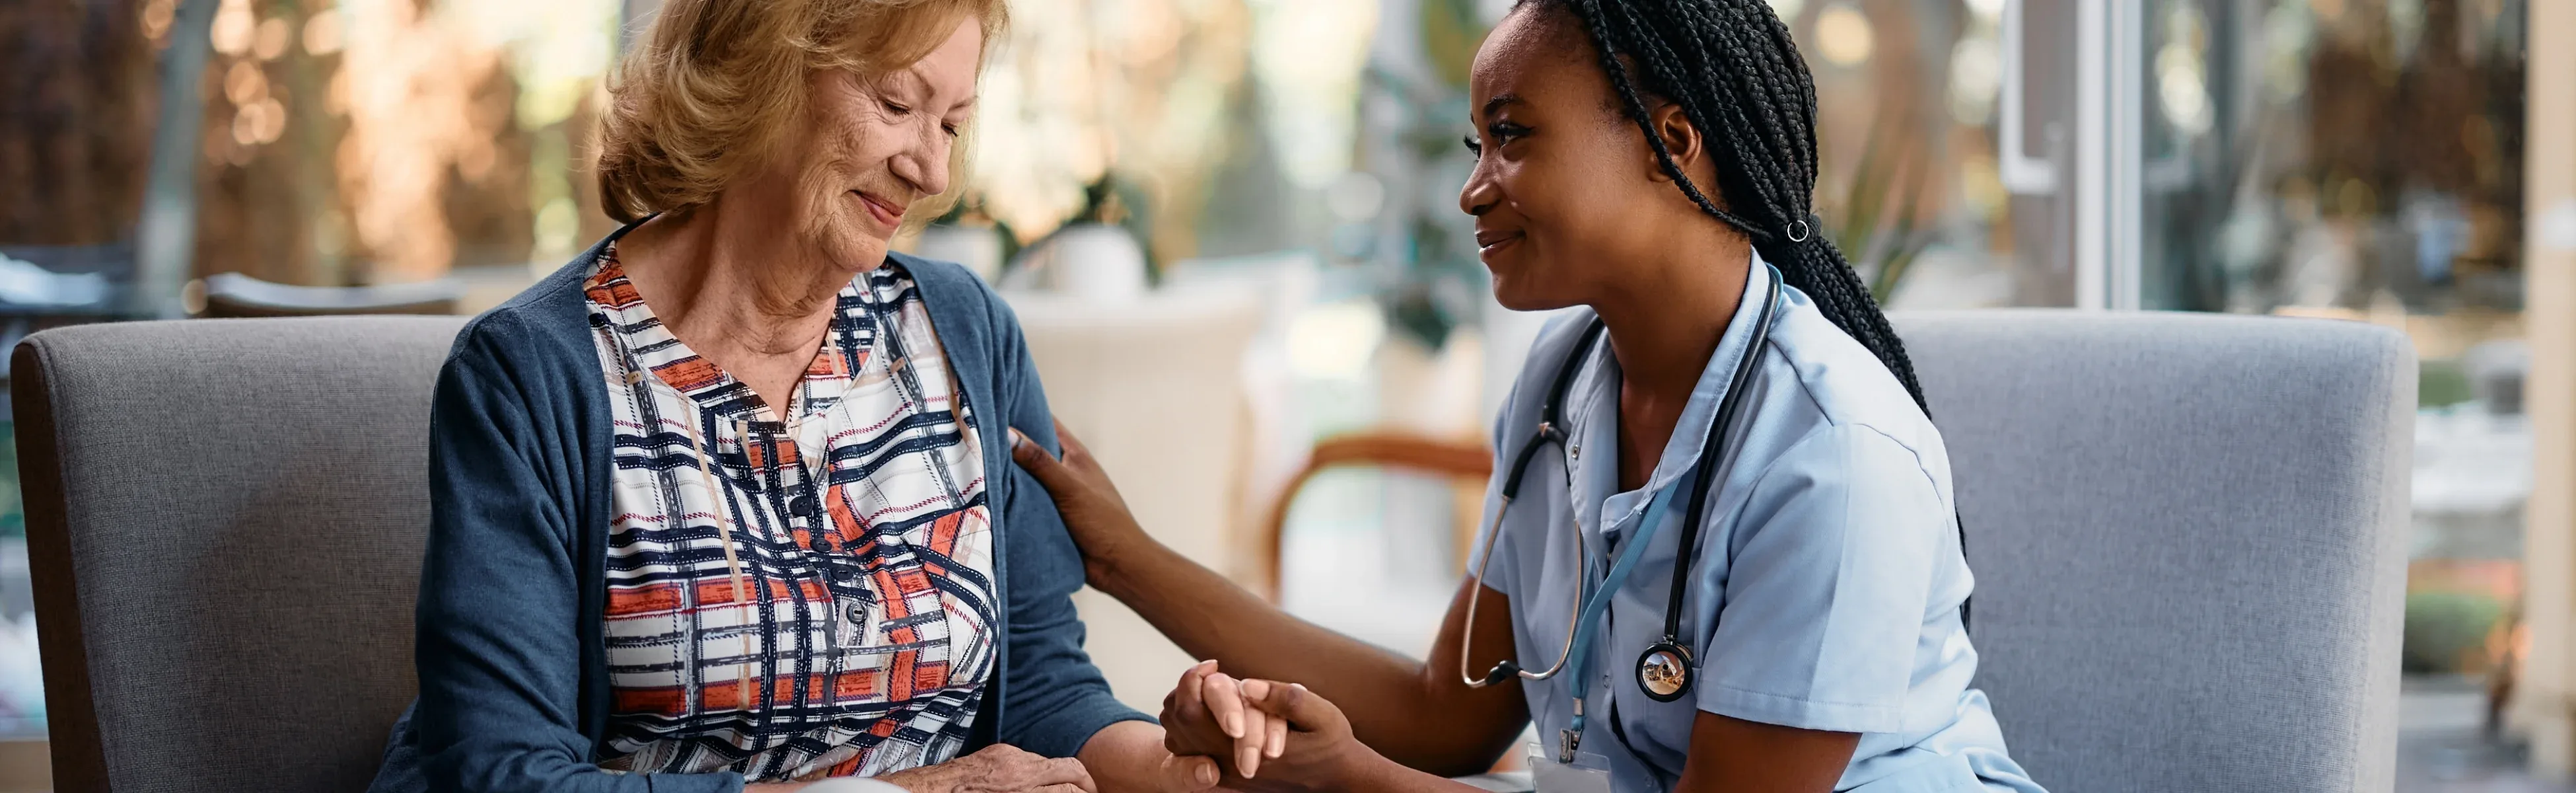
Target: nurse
1721	551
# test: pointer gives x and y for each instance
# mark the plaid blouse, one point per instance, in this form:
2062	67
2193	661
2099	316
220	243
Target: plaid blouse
756	625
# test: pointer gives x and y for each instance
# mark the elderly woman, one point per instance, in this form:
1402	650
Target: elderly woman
728	500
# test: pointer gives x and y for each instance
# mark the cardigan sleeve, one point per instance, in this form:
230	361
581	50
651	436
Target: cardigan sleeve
1054	699
499	653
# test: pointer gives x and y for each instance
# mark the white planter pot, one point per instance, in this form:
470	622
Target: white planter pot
1091	261
979	248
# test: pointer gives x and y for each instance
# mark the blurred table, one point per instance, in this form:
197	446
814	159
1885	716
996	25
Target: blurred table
1154	386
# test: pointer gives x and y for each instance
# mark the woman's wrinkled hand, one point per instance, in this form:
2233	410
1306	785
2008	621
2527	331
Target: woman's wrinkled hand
997	769
1094	513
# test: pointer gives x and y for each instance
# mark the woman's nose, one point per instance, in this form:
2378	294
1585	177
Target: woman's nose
925	164
1479	194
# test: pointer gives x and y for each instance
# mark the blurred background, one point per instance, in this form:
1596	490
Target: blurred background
1230	227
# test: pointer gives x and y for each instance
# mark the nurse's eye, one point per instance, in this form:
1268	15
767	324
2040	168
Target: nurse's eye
1474	149
1504	132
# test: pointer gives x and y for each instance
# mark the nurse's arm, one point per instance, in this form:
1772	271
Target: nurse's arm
1418	714
1731	754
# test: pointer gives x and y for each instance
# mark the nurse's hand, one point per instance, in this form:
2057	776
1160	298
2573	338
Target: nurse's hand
1094	513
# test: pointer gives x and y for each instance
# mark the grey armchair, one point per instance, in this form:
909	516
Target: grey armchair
2187	534
225	520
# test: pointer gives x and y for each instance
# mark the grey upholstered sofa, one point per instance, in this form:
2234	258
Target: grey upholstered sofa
2185	531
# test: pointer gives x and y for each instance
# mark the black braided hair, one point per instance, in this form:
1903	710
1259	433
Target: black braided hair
1733	69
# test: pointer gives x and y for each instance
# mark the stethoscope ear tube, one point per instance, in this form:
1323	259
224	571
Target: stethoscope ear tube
1709	462
1547	433
1551	421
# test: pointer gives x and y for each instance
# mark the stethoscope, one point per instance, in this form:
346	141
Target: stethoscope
1664	670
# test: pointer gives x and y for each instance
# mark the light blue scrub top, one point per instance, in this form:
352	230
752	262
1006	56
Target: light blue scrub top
1827	581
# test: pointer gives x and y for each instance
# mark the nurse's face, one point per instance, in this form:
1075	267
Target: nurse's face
1567	194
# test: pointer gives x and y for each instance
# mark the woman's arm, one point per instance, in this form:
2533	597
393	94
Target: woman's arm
1418	714
498	660
1130	756
1056	703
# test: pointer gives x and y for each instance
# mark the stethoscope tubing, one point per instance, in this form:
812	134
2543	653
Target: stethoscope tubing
1550	430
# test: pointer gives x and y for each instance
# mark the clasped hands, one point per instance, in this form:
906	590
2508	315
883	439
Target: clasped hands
1264	735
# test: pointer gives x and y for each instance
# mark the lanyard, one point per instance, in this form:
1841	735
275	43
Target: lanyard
1588	622
1664	671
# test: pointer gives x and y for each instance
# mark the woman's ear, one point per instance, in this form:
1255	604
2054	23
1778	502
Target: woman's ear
1680	137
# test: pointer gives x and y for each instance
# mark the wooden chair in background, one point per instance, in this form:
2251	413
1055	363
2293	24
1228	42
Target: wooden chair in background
1467	464
1464	462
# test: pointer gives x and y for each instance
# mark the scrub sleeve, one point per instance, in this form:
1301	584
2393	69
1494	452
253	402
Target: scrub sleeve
1828	588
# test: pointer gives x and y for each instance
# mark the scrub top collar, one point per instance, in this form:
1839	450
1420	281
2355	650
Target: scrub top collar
1596	420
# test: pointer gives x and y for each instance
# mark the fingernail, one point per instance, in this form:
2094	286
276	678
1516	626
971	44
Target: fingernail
1017	439
1234	725
1206	775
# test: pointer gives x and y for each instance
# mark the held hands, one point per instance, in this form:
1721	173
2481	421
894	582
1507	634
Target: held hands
1208	715
1268	736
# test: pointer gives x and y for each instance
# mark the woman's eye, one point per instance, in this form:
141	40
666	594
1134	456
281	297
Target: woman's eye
896	109
951	129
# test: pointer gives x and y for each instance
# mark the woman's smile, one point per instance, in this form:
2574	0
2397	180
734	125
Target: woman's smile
886	213
1491	243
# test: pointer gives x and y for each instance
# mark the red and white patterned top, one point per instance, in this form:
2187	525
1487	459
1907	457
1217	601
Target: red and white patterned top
757	625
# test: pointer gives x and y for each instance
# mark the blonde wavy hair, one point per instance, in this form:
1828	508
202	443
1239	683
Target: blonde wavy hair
711	87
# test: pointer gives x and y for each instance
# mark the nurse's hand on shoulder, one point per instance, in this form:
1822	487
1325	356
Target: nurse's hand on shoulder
1093	511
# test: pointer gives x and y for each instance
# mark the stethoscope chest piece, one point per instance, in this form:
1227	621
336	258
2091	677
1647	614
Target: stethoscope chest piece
1664	671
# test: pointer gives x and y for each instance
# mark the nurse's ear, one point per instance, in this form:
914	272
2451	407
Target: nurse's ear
1681	138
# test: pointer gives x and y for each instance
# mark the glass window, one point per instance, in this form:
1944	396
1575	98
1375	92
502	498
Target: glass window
2363	159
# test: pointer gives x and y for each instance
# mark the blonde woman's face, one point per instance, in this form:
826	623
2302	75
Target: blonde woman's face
871	151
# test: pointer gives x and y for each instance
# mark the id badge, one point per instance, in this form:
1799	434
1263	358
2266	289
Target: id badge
1590	772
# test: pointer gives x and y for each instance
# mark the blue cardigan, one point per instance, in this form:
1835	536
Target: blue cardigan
513	671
